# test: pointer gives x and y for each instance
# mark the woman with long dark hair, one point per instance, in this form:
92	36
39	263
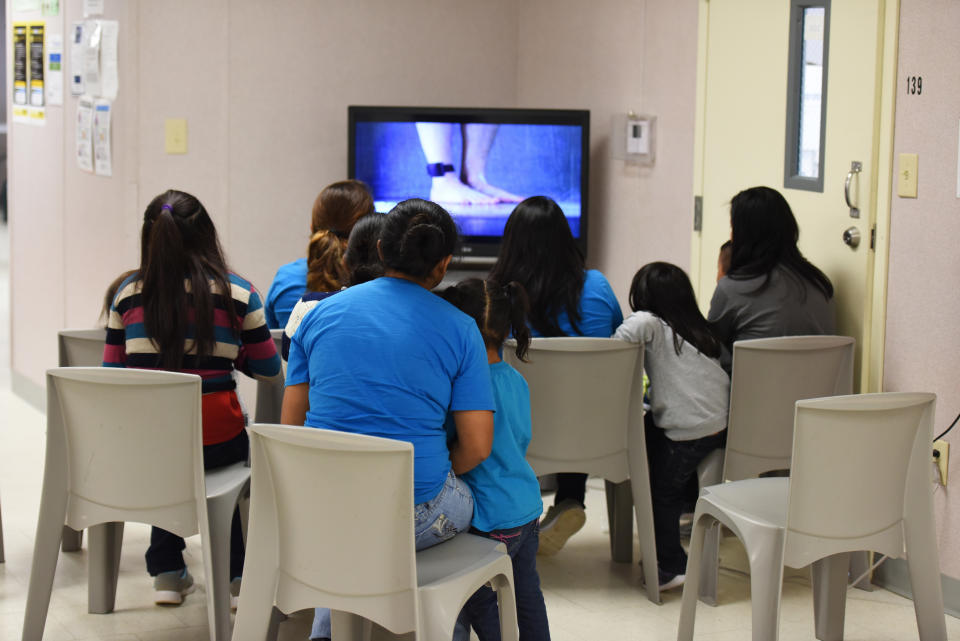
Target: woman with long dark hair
335	211
566	299
771	289
390	358
688	396
183	310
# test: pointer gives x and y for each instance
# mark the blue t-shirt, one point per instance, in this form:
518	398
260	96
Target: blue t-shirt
506	493
389	358
286	289
600	313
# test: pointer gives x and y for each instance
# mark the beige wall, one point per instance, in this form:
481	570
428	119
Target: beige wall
264	88
923	340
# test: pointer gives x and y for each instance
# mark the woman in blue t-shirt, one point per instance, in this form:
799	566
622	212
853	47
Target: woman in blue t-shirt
566	299
389	358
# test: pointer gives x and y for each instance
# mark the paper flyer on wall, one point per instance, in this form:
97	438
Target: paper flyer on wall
84	135
54	71
76	59
51	7
36	64
109	40
102	161
92	8
20	63
92	31
26	5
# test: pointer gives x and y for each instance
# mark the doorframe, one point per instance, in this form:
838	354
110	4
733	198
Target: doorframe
881	184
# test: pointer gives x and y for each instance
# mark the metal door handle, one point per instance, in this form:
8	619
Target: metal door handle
851	237
855	167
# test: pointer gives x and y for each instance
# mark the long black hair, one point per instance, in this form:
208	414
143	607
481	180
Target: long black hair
539	252
765	235
361	258
498	310
417	234
665	291
182	267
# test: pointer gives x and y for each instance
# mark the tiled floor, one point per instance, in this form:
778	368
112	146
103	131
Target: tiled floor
588	597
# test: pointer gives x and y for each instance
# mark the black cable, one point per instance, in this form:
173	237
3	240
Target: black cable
949	428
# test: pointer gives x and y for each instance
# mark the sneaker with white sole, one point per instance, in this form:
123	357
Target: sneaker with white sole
234	593
670	581
560	523
169	588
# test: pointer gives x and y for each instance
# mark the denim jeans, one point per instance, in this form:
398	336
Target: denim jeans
672	466
165	551
481	610
434	521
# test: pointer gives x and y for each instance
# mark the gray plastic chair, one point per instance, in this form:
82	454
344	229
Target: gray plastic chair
79	348
860	480
331	524
126	445
769	376
586	401
270	393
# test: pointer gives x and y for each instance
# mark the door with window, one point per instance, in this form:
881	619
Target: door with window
790	98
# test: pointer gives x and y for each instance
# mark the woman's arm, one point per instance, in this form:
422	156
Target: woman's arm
296	402
474	438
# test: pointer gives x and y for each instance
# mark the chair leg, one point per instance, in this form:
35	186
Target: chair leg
620	518
46	549
2	556
72	539
923	565
829	579
688	604
220	516
766	582
345	626
105	543
710	565
859	564
507	604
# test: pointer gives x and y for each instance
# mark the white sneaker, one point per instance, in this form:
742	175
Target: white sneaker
560	523
169	588
668	582
234	593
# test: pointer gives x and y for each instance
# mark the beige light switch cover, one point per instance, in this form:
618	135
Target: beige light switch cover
176	135
907	176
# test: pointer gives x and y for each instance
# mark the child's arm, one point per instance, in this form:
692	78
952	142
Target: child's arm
296	402
474	438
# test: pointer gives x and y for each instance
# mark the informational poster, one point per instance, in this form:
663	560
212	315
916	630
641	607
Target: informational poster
92	8
26	5
92	31
19	63
51	7
76	58
84	135
109	76
36	64
102	163
54	74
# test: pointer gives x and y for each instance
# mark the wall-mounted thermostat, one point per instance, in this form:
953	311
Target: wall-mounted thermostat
634	138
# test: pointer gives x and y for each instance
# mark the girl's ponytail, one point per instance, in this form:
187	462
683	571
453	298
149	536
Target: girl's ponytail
519	305
164	297
325	269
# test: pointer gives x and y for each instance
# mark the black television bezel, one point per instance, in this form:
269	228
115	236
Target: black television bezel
484	248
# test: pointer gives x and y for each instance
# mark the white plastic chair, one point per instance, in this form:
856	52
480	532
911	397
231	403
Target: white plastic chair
859	481
79	348
270	393
586	401
331	525
126	445
769	376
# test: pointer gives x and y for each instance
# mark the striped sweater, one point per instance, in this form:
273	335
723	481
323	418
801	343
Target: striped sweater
252	352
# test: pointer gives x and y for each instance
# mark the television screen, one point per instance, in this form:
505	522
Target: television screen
476	163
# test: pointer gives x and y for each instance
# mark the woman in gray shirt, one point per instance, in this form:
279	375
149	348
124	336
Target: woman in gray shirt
771	289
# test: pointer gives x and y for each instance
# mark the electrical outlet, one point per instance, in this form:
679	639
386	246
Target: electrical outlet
940	459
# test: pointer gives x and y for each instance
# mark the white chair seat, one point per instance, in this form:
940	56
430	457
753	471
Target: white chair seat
751	502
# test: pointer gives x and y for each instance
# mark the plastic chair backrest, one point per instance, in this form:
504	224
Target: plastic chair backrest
769	376
81	347
860	464
584	392
353	547
130	442
270	393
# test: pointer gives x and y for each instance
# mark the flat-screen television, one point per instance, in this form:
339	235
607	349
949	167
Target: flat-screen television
476	163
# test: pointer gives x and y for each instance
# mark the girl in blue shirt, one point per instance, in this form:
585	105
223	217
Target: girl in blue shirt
506	492
566	299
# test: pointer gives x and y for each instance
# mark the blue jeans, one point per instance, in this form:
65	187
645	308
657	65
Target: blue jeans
481	610
434	521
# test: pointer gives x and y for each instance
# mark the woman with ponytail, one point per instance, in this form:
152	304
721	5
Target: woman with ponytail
183	310
506	493
336	210
389	358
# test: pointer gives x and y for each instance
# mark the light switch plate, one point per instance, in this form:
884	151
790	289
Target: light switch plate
176	135
907	176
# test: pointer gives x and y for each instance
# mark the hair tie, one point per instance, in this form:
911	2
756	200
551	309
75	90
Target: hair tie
167	207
